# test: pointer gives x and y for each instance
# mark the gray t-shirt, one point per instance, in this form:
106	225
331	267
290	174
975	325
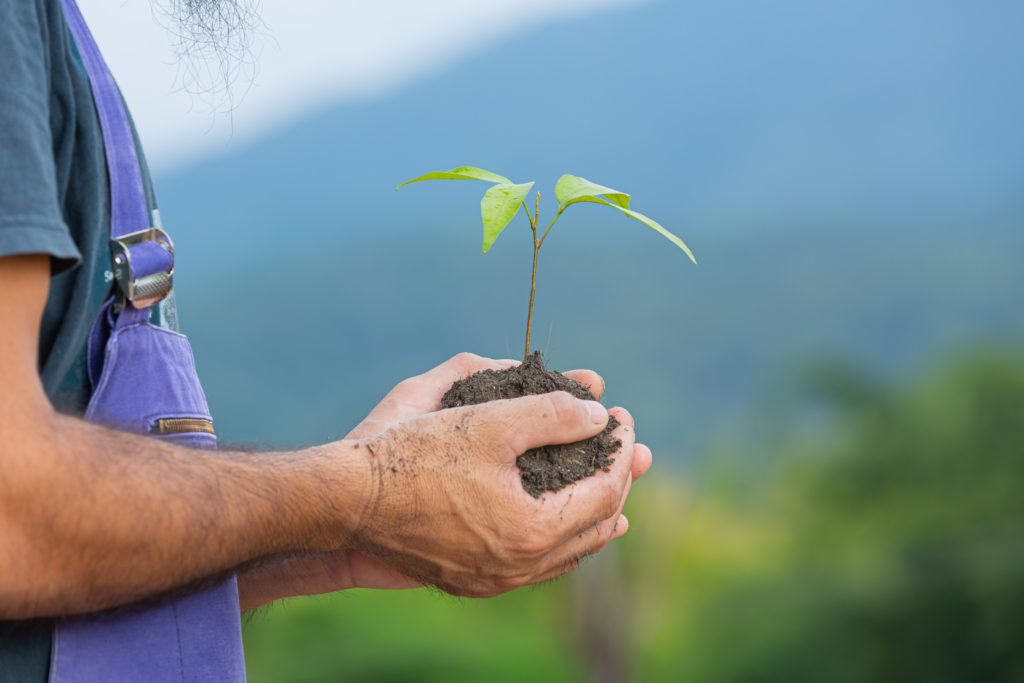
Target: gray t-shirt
54	199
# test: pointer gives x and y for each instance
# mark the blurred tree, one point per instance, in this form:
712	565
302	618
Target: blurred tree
894	547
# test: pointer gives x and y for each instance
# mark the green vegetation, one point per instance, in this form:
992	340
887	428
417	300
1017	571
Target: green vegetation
881	541
888	547
503	200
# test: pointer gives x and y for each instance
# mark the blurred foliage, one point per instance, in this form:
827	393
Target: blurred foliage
884	543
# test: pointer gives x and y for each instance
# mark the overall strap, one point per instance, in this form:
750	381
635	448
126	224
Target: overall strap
142	372
128	211
143	257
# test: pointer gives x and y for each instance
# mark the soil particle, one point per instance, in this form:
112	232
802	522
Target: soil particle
548	468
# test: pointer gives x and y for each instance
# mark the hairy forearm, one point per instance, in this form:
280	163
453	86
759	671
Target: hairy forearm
93	518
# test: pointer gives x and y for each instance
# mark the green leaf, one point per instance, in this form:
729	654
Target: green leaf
649	222
571	189
460	173
499	206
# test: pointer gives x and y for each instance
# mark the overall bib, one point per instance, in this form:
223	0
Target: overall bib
144	381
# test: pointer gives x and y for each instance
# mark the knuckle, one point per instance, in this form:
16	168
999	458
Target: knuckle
464	358
526	543
504	578
531	546
509	582
562	407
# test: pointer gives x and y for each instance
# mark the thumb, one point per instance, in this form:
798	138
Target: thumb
516	425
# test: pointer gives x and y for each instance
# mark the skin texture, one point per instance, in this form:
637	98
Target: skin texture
92	518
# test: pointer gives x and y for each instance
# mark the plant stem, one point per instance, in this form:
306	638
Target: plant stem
533	276
545	235
533	291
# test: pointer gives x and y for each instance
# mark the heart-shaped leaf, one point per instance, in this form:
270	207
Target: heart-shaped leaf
571	189
499	206
460	173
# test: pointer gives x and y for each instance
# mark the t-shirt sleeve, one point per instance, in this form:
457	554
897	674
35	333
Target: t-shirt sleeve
30	215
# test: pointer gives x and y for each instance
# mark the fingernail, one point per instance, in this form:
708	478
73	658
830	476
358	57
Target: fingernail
598	413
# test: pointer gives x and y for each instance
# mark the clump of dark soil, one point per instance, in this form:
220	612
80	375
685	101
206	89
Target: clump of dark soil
548	468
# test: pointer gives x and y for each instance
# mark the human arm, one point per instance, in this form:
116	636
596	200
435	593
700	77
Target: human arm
91	518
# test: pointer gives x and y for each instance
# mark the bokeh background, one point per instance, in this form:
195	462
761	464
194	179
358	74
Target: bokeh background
834	396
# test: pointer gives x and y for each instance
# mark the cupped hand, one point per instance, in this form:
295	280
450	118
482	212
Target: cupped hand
450	509
322	572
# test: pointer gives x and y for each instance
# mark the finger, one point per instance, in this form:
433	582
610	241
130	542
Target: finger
642	456
642	459
595	530
588	378
621	527
516	425
570	562
437	381
568	556
586	502
462	365
623	416
594	526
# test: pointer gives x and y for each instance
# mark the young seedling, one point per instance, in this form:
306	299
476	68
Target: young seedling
504	199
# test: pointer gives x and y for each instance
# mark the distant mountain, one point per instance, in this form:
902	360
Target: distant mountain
848	173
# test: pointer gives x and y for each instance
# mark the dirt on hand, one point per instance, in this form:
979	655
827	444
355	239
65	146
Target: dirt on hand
548	468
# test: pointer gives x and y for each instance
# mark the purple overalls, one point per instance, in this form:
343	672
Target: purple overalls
144	381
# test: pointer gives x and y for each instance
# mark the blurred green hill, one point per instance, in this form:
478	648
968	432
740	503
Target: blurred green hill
888	546
847	173
298	350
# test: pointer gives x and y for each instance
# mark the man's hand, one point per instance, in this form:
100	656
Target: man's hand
324	572
450	509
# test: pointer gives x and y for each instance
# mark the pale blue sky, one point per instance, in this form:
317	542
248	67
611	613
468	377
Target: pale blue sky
312	53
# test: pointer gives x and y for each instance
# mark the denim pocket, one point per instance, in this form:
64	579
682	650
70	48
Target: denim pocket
148	385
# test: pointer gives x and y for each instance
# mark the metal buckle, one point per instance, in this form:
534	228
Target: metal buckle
147	288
